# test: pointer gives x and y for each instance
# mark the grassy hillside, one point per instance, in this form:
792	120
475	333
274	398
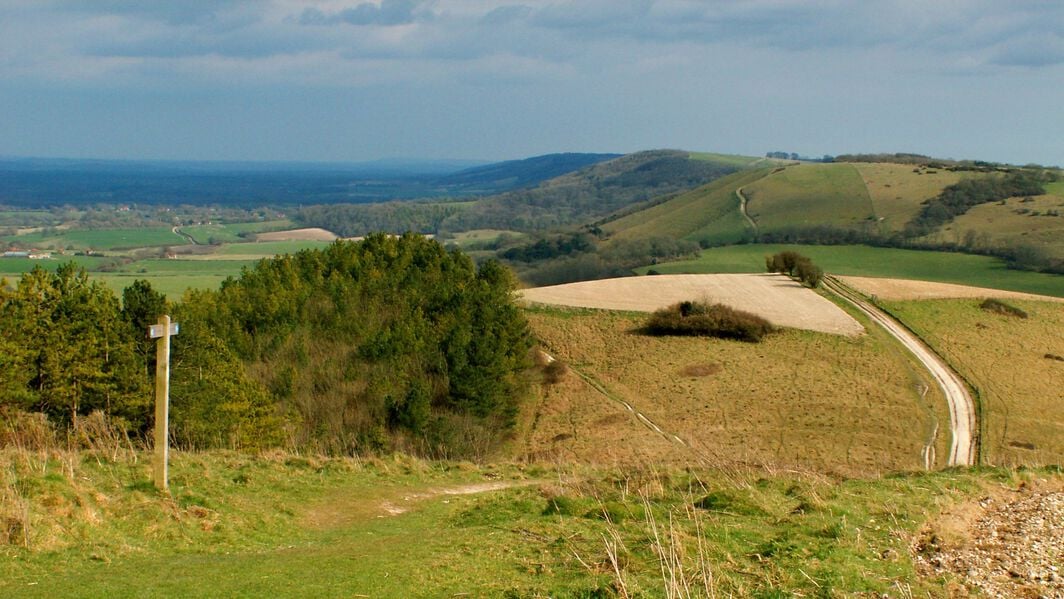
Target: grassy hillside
898	190
283	525
590	193
859	260
810	194
709	214
796	400
1036	221
1020	383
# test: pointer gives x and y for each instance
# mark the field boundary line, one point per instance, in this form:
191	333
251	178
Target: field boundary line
639	416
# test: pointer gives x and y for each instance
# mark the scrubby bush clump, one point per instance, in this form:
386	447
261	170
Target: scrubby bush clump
1000	307
795	265
711	320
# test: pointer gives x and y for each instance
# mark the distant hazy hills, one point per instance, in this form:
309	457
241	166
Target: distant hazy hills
30	182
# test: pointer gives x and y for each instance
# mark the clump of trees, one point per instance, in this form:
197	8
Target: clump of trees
797	266
391	343
707	319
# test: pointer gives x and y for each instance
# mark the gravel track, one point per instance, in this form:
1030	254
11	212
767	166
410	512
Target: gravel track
961	406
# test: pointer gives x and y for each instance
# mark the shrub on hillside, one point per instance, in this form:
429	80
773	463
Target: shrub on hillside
1000	307
711	320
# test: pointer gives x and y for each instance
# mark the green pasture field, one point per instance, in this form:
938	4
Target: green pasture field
481	236
173	286
1055	188
267	249
1018	381
230	232
810	194
99	239
710	213
859	260
293	526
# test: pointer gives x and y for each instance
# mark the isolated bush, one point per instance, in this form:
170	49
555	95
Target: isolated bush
1000	307
711	320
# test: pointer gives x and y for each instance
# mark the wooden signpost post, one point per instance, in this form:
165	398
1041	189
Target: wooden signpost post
162	331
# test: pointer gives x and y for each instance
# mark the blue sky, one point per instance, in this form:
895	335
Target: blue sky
472	79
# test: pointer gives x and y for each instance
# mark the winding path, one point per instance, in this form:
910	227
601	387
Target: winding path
961	407
742	208
189	238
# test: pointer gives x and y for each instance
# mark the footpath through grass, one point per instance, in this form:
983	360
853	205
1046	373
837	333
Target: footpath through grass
866	261
245	526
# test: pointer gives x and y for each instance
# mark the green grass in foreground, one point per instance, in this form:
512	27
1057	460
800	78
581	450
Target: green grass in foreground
859	260
241	526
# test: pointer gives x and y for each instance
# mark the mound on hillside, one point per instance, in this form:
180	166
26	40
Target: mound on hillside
775	298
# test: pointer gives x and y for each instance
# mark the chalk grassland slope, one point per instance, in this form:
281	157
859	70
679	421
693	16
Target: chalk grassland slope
1037	221
729	159
810	194
797	399
283	525
97	239
709	214
859	260
590	193
1022	389
776	298
898	190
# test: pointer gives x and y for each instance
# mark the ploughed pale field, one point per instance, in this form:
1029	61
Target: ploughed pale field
776	298
905	289
309	234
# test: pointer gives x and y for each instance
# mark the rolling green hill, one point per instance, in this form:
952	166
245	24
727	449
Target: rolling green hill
709	214
591	193
808	195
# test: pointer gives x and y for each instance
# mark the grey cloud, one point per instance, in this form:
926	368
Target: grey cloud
175	12
507	14
389	12
1042	51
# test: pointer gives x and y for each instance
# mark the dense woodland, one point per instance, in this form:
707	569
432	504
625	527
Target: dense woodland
387	343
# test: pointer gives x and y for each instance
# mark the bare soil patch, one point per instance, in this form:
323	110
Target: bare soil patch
776	298
309	234
905	289
1008	544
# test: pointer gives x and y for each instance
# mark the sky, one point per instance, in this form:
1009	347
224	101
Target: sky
339	80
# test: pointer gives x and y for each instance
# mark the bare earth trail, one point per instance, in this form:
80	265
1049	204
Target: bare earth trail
961	407
189	238
742	208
